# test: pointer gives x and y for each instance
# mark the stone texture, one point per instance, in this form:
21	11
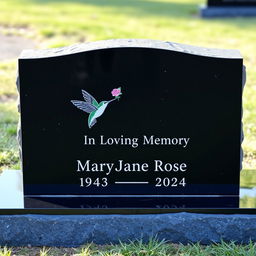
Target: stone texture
139	43
238	11
242	130
19	136
75	230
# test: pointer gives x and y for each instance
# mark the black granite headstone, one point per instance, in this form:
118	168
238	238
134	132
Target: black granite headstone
131	123
229	8
231	3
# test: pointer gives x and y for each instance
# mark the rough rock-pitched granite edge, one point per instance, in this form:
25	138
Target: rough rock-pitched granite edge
139	43
242	130
76	230
19	136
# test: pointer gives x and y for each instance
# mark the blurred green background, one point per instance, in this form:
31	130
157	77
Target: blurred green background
56	23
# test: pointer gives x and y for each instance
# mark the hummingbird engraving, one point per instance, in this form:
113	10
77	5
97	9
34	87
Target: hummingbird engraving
92	107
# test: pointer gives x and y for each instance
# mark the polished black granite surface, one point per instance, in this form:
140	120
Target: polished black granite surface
124	124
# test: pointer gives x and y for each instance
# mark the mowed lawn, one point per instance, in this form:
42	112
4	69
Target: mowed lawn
153	247
54	23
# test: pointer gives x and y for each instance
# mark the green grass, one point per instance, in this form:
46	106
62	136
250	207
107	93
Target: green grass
153	248
8	126
248	179
248	202
5	252
7	80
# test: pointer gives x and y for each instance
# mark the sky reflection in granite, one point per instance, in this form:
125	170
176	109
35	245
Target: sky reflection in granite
11	190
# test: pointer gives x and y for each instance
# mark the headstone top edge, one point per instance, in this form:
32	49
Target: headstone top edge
130	43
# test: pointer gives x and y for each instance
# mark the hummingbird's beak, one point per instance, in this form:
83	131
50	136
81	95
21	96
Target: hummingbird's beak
111	100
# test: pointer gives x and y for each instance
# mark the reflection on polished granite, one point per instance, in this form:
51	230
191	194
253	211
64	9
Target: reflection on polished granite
11	190
250	192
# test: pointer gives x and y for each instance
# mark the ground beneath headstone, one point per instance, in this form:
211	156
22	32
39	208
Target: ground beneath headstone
11	46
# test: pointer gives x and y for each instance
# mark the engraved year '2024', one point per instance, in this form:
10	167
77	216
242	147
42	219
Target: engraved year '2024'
159	182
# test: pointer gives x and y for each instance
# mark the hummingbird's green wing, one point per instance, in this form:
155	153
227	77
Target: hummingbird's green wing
90	99
95	103
90	118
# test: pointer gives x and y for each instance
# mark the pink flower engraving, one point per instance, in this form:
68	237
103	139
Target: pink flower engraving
116	92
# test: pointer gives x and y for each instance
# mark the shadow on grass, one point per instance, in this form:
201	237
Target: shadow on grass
136	7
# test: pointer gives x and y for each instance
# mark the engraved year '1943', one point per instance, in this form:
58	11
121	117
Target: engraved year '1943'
159	182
